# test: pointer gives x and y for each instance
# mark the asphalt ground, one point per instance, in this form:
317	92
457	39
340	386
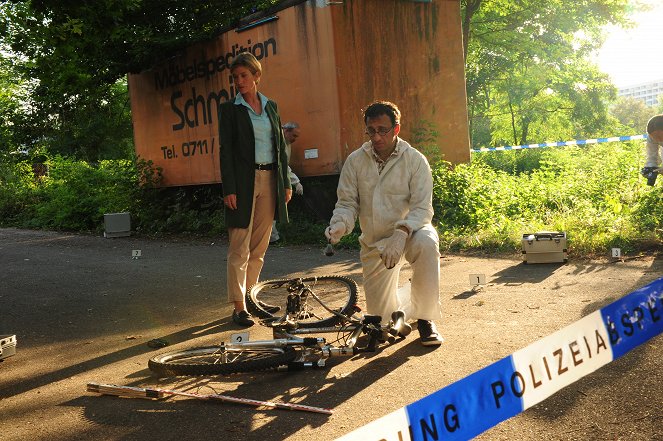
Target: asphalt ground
83	311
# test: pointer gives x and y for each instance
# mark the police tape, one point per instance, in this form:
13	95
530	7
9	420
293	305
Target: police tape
509	386
561	143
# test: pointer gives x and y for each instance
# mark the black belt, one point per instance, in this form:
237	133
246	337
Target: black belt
271	166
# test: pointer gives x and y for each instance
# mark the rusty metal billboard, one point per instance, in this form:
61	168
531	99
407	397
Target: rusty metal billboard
322	63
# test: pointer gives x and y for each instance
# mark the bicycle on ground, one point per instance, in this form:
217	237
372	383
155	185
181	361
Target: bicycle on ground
298	311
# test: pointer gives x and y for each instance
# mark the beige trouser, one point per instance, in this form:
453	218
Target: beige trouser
246	251
381	284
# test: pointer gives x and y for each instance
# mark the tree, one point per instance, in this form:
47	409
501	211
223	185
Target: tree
658	109
528	72
78	54
632	113
8	106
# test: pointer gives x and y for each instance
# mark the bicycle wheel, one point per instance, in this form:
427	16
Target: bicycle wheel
214	360
338	294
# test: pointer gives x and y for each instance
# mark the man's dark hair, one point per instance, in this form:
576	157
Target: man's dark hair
383	108
655	123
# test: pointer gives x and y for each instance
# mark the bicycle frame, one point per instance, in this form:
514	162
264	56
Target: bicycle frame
315	351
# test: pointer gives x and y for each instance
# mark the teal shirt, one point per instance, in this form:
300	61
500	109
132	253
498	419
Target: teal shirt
262	130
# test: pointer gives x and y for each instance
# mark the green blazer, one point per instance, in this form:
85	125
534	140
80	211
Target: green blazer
237	156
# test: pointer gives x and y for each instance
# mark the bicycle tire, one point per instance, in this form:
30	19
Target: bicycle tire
338	293
218	360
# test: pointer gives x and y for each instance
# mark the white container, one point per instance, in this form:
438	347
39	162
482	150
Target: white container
544	247
7	346
117	225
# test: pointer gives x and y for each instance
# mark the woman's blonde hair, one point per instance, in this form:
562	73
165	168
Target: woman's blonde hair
247	60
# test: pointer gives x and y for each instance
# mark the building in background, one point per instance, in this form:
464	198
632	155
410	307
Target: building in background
647	92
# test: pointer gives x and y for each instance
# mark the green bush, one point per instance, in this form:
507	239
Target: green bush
75	195
593	193
17	192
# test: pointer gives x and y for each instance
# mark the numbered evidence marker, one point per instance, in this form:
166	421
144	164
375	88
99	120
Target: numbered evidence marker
135	254
617	253
477	279
240	337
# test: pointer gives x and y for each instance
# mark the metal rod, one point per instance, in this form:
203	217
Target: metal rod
152	393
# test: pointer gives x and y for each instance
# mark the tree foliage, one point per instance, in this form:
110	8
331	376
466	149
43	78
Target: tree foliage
99	41
632	113
529	78
9	103
77	54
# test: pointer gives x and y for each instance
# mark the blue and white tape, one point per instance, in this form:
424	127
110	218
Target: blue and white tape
561	143
507	387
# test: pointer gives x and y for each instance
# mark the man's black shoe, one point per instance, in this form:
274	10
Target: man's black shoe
242	318
269	308
428	333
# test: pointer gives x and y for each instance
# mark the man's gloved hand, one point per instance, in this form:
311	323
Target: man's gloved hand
646	171
393	249
650	173
335	231
299	189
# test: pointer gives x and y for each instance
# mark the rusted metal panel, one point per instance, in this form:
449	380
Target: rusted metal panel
322	63
411	54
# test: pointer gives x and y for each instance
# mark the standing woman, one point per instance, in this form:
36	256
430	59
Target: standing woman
254	171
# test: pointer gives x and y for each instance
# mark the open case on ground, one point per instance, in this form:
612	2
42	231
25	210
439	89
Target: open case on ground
544	247
7	346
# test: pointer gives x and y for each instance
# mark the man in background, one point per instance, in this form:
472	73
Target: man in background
653	148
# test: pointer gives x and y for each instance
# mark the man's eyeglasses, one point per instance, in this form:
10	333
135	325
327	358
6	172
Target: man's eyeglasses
370	131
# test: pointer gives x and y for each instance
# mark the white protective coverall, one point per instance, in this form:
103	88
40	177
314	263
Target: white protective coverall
654	153
400	195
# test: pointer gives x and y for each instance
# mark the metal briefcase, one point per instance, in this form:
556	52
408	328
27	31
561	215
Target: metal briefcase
544	247
7	346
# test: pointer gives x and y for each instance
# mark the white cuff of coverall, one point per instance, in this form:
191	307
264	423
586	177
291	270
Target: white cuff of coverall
402	224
